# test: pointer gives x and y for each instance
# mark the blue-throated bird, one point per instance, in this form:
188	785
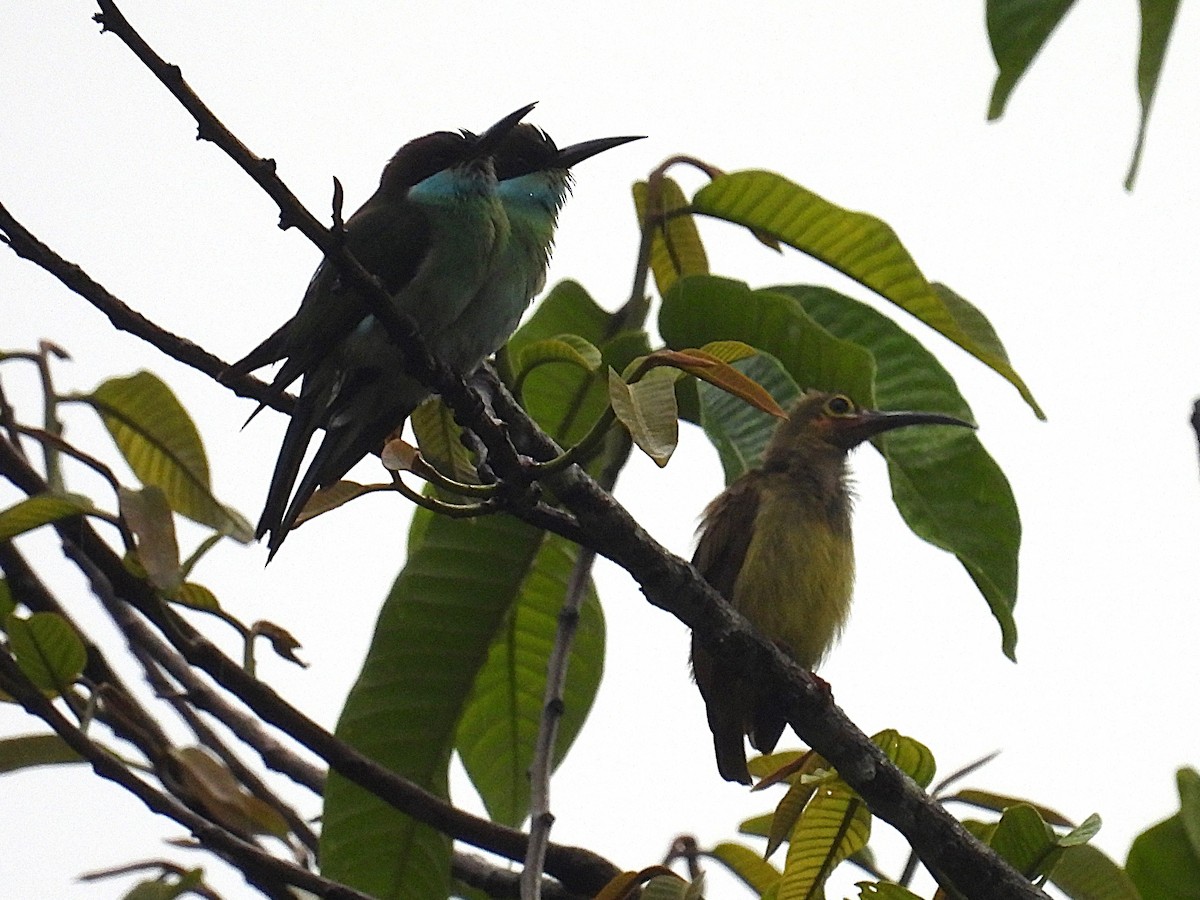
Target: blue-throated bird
776	544
534	182
430	233
534	178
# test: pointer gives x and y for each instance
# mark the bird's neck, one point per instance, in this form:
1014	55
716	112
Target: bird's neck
452	186
824	479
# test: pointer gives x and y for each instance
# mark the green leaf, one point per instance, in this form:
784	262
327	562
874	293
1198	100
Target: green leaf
439	438
495	737
676	250
1000	802
746	864
148	516
7	603
703	309
974	323
1017	30
1187	781
647	408
1158	18
47	649
196	596
566	401
949	490
856	244
41	509
209	781
835	824
1025	841
432	638
1085	873
158	439
167	886
739	431
565	348
1163	863
665	887
910	755
884	891
29	750
788	812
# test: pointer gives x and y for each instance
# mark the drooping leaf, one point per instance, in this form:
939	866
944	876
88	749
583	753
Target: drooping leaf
496	734
647	409
719	373
148	516
746	864
160	442
432	637
738	431
208	781
676	250
29	750
947	487
1017	30
1000	802
41	509
856	244
1158	18
974	323
788	812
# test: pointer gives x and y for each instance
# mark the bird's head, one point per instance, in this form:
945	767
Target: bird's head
822	421
433	162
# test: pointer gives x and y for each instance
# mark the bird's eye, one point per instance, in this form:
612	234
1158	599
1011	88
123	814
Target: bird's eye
839	406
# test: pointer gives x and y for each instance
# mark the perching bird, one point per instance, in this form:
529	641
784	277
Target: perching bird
777	545
534	178
534	183
431	233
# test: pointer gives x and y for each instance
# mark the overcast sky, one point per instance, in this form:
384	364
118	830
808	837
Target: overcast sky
871	106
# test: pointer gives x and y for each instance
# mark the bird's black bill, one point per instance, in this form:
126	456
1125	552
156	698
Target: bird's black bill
868	423
577	153
490	139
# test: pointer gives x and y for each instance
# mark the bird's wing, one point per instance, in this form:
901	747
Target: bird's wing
273	349
727	527
390	241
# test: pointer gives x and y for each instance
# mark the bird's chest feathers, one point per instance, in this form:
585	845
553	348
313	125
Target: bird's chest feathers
796	582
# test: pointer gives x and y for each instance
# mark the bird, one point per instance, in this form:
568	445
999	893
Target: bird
430	233
535	179
776	544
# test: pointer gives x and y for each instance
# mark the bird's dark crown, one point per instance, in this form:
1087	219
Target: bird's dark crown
426	156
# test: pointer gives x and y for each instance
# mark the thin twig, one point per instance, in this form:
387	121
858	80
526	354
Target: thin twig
262	869
540	817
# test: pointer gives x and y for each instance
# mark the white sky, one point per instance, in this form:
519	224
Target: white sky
868	104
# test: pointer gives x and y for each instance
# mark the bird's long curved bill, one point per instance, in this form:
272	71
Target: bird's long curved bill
872	422
577	153
490	139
